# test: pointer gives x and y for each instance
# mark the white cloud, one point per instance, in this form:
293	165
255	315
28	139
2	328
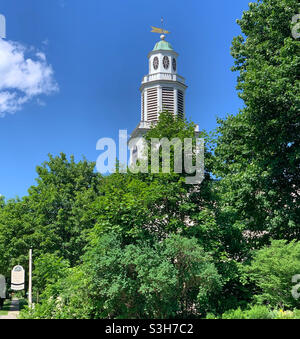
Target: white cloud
22	78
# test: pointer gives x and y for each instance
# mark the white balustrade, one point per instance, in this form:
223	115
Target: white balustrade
163	76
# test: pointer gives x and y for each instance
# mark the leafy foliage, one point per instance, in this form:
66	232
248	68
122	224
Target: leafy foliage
272	269
257	153
172	278
51	218
48	268
148	245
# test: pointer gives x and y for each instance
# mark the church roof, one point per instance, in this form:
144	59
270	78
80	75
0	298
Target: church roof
163	45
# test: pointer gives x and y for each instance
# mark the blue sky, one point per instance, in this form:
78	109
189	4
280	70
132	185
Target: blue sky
95	52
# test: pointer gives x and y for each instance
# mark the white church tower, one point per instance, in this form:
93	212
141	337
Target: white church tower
162	89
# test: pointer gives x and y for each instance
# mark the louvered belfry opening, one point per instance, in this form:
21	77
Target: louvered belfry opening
180	104
143	106
168	99
152	104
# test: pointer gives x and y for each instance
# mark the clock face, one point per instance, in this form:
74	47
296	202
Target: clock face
155	63
166	62
174	64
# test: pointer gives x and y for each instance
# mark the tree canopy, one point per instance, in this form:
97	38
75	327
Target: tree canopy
149	245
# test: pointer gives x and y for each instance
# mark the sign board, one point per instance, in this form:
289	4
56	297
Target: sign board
18	278
2	287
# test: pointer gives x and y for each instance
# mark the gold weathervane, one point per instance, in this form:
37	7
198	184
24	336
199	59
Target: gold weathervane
159	30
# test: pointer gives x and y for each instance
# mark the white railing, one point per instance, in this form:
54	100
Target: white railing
163	76
145	124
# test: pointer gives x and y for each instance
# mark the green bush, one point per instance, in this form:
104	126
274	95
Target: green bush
259	312
211	316
150	278
133	281
296	314
67	298
271	270
286	314
255	312
234	314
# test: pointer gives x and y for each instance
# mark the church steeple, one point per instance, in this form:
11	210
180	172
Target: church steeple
162	89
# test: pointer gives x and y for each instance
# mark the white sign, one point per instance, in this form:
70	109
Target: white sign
18	278
2	287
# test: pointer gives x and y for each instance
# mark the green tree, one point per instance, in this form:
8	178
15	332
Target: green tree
153	205
66	298
51	218
174	278
171	278
272	269
257	152
48	269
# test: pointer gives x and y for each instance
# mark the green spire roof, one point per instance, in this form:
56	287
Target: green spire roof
163	45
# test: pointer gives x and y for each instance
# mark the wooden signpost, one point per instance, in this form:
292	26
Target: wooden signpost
30	279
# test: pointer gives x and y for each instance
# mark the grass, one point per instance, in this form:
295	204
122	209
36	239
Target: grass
5	308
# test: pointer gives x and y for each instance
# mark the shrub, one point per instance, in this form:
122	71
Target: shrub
211	316
286	314
272	269
259	312
255	312
234	314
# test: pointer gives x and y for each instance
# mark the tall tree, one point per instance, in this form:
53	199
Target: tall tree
258	151
50	219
